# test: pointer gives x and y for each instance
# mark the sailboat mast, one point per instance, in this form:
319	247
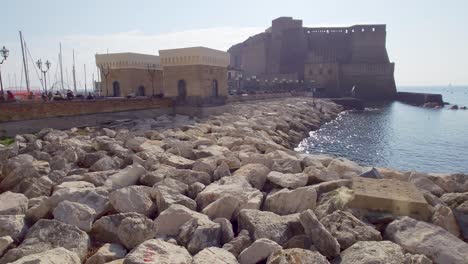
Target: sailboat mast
85	88
61	67
74	72
25	64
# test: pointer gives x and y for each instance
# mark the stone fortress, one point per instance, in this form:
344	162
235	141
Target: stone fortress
331	59
194	73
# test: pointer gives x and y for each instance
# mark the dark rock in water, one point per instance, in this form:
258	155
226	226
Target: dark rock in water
373	173
454	107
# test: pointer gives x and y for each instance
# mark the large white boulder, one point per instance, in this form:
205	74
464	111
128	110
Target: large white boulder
76	214
156	251
214	255
171	219
13	203
260	250
419	237
165	197
285	201
106	253
14	226
58	255
288	180
255	174
296	256
136	199
126	177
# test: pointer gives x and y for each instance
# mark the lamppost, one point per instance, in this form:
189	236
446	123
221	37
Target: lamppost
47	67
105	72
151	71
4	52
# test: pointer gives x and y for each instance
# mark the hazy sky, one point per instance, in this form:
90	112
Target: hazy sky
427	39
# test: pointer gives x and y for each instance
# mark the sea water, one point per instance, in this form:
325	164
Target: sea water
400	136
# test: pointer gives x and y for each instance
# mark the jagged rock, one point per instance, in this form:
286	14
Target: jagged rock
213	150
22	168
454	183
195	189
370	252
96	198
224	207
8	151
173	184
229	142
260	250
373	174
444	217
126	177
423	181
89	159
227	234
334	200
5	243
108	252
35	187
287	164
393	175
190	177
73	184
13	203
156	251
207	165
75	214
177	162
288	180
329	186
342	169
298	241
180	148
49	234
213	255
221	171
316	173
58	255
296	256
239	243
98	178
136	199
431	199
262	224
135	229
195	235
256	174
165	197
319	235
416	259
238	187
104	164
171	219
454	199
255	158
461	214
109	132
419	237
284	202
347	229
14	226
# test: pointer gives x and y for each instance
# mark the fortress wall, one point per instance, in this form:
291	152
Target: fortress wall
293	52
254	55
368	44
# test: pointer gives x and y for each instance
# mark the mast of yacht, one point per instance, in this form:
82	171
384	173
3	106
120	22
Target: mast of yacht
74	72
61	67
85	88
25	64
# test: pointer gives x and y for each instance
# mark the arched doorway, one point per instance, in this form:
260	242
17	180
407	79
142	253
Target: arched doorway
116	89
181	89
214	88
140	91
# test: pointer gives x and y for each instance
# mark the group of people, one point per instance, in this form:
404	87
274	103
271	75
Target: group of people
58	96
9	96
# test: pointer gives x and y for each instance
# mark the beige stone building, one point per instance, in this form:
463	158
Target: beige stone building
124	74
191	74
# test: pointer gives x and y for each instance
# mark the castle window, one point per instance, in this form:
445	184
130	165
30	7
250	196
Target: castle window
373	29
363	30
346	31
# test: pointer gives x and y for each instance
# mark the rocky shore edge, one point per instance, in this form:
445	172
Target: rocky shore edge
224	189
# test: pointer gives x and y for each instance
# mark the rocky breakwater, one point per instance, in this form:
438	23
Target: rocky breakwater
225	189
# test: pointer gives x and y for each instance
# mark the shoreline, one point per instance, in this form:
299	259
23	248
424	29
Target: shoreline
229	184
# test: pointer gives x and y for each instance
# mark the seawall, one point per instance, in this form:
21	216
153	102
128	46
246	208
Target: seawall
419	98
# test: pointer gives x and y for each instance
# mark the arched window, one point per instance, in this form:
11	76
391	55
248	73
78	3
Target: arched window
116	89
182	89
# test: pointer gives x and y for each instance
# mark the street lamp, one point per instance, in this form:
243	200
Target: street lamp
4	52
47	67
